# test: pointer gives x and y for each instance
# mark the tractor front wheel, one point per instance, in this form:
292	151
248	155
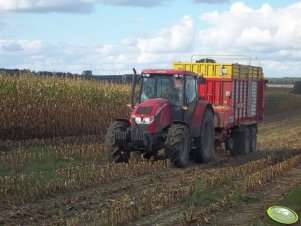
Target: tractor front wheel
115	151
178	144
153	155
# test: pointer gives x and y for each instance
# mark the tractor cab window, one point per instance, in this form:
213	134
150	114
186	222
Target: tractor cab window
162	86
191	92
148	89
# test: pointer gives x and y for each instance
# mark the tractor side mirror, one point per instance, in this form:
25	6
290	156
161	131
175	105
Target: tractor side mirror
132	94
130	107
201	80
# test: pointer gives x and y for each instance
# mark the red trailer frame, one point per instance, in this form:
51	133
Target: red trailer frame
234	101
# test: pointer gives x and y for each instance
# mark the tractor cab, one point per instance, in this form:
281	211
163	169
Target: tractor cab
172	85
177	87
168	86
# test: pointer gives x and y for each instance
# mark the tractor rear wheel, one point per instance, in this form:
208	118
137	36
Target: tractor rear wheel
253	139
178	144
241	141
115	151
205	143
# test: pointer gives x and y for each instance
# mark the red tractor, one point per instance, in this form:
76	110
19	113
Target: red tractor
186	114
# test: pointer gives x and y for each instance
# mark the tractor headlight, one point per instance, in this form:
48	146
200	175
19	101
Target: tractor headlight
144	120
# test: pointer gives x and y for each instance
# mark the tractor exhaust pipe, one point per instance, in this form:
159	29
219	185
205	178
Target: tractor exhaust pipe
132	95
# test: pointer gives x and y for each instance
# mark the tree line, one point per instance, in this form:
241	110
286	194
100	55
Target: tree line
20	72
119	79
283	81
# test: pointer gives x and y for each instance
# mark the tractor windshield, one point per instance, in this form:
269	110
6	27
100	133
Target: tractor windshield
163	86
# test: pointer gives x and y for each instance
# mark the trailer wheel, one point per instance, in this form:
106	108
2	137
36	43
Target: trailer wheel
241	141
253	139
205	143
178	144
114	151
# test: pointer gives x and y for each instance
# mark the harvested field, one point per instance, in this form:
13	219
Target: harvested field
83	188
67	181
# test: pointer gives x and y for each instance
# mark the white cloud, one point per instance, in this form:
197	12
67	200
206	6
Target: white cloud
154	45
149	58
239	8
73	6
243	26
67	57
11	45
82	6
263	32
272	34
255	36
176	39
283	68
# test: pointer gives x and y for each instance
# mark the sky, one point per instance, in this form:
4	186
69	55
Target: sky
114	36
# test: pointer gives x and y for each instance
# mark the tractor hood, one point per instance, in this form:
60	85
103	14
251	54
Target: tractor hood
150	107
152	115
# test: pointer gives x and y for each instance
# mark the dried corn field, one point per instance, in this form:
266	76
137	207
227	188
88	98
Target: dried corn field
67	180
39	107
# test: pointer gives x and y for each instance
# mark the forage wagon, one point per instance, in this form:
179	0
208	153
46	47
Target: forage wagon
188	109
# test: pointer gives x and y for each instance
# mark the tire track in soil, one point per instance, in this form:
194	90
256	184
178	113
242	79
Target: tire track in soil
249	213
173	215
92	198
71	203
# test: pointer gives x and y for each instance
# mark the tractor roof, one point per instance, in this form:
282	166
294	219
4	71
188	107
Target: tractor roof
168	72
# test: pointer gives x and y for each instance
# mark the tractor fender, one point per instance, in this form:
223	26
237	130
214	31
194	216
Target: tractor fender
197	117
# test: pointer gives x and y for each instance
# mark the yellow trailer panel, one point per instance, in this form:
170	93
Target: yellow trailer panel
218	70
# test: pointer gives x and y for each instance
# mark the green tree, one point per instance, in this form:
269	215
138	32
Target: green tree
87	73
206	60
297	87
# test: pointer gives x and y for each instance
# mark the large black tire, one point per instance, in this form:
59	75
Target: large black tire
241	141
114	151
205	143
253	139
151	155
178	144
